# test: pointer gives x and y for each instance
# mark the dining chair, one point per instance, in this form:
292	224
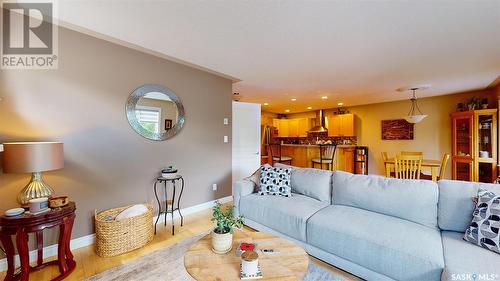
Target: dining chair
444	162
442	168
277	156
326	156
414	153
385	158
407	166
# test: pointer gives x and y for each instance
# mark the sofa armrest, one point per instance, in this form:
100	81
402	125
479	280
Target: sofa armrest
241	188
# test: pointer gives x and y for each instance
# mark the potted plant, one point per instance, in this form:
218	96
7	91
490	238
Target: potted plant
222	235
473	103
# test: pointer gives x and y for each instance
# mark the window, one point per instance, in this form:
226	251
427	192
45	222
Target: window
149	118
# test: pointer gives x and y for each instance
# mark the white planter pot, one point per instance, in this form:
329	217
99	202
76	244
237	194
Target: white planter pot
222	243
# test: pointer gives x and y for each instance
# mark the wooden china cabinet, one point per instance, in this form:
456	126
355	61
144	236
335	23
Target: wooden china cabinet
474	145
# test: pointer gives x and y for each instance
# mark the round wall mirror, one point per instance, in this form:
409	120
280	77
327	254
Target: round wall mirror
155	112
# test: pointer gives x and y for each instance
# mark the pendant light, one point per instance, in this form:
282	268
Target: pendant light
415	115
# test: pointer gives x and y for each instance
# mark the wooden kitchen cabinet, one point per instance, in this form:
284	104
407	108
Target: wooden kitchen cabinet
334	126
341	125
304	126
293	127
297	127
344	159
282	126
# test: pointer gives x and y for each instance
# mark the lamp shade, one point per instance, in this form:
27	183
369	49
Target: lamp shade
415	118
29	157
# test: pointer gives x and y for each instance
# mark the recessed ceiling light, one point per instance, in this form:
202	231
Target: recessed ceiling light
340	104
287	110
294	99
309	107
324	97
266	103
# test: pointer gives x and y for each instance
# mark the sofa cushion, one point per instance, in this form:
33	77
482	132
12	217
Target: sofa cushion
287	215
485	224
311	182
413	200
456	205
314	183
284	166
463	259
397	248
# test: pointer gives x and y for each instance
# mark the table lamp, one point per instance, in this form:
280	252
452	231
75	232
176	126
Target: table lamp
33	157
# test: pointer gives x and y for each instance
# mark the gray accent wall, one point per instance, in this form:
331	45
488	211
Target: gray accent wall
107	164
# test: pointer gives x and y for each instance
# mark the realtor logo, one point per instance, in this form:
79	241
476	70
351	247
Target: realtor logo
29	35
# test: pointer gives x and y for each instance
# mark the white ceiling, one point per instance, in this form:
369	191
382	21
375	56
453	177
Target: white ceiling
357	52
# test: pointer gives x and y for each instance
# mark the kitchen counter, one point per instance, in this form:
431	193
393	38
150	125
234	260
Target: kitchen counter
316	145
302	155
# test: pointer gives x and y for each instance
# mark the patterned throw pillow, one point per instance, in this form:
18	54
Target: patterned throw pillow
275	181
484	228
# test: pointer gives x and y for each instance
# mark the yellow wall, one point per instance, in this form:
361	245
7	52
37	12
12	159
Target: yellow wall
432	135
267	118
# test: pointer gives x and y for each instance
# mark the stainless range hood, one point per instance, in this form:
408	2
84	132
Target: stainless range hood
320	123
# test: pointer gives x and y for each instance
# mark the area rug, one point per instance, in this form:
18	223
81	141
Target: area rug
168	264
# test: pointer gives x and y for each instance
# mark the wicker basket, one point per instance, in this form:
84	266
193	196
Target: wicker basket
117	237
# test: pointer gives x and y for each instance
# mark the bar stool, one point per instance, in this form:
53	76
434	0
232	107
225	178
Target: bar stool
277	156
326	156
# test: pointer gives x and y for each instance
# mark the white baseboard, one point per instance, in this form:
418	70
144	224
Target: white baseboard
88	240
194	209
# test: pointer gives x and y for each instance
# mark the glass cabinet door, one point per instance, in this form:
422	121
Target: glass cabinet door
484	135
463	171
463	137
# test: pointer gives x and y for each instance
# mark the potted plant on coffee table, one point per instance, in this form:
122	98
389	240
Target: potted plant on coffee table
222	235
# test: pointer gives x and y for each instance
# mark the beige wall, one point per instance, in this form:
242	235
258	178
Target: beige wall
83	105
432	135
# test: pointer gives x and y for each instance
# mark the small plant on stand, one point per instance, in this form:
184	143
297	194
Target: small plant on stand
222	235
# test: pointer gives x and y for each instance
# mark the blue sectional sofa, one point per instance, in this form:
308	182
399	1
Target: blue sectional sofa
374	227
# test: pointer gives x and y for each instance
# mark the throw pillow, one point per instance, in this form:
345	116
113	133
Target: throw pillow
255	177
484	228
275	181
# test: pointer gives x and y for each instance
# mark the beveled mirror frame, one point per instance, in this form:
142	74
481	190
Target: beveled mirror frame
140	92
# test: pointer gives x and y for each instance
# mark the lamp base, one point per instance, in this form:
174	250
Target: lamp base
36	188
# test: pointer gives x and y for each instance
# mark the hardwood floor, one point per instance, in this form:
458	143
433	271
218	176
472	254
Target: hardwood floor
89	264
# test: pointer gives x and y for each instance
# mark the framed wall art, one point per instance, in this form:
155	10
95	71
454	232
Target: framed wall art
398	129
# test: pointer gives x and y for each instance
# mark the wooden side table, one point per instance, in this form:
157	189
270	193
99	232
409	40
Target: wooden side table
22	225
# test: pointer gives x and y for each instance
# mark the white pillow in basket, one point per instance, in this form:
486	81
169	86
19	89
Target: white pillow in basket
132	211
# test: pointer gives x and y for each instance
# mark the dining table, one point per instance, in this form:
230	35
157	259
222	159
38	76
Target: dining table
427	165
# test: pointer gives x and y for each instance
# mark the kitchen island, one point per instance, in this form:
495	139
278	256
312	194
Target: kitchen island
302	155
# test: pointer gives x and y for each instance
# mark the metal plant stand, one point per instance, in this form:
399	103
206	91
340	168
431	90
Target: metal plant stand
173	180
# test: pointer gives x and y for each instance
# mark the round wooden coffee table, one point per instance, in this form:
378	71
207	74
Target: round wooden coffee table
290	262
